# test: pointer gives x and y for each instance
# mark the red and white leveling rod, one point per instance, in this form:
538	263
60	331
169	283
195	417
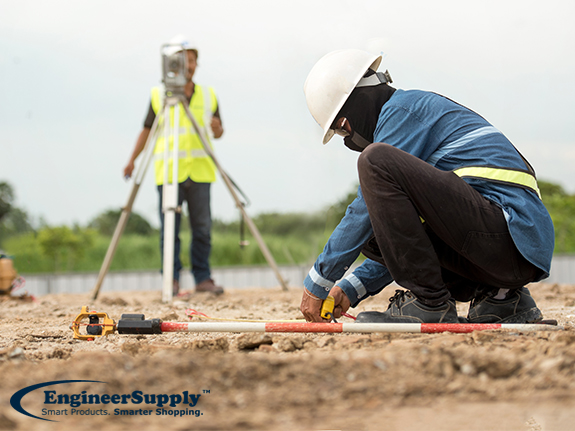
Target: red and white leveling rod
361	328
100	324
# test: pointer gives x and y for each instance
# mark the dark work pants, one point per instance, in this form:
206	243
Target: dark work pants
462	248
197	195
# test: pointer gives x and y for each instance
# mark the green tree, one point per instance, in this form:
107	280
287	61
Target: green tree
60	243
548	189
336	211
6	198
106	223
13	220
561	207
298	224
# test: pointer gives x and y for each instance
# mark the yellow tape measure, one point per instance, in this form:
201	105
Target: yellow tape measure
327	308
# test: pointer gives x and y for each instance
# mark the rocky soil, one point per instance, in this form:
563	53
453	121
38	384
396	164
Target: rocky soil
486	380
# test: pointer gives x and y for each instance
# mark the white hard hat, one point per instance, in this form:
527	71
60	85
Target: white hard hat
177	43
332	80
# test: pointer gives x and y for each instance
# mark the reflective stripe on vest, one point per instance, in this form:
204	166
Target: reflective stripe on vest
160	156
508	176
193	161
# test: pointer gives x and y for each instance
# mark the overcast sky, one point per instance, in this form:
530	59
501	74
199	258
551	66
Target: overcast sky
75	79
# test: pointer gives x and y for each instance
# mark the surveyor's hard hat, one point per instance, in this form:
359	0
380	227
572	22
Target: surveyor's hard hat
179	42
332	80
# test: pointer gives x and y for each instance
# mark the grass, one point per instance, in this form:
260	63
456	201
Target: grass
136	252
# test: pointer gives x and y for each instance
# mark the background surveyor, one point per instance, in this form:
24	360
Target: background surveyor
196	170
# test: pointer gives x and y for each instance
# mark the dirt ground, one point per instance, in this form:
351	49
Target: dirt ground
486	380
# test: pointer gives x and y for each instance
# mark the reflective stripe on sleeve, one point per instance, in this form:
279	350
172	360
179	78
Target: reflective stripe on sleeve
357	285
319	280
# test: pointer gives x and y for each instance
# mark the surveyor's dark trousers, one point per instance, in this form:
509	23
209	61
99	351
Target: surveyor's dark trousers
462	248
197	195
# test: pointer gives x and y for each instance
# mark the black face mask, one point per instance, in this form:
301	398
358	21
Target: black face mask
362	109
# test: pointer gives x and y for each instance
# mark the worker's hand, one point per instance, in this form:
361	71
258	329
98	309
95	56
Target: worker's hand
128	170
217	128
341	301
311	307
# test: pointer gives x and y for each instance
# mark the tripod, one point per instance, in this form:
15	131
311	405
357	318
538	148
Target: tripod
174	99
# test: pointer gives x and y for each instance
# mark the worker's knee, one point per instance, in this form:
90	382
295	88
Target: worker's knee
378	160
376	154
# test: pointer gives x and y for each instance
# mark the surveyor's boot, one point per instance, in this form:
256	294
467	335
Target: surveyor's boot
518	307
209	286
176	287
404	307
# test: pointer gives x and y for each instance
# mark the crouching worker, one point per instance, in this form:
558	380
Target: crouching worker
446	207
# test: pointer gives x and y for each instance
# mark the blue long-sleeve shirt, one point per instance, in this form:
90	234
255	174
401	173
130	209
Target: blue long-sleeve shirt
447	136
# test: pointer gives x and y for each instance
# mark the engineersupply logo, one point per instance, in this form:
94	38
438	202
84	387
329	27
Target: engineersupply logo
89	404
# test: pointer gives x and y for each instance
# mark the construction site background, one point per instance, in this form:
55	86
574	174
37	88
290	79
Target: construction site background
62	259
562	272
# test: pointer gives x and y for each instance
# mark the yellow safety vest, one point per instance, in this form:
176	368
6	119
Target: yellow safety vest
193	161
501	175
516	178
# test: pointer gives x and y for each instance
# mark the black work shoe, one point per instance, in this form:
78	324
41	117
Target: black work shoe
518	307
404	307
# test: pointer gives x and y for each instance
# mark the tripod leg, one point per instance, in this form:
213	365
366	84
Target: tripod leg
251	225
170	201
127	209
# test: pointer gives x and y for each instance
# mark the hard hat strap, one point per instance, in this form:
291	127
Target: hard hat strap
375	79
356	142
